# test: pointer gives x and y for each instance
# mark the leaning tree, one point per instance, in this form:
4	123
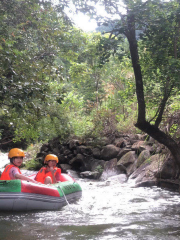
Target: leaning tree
155	25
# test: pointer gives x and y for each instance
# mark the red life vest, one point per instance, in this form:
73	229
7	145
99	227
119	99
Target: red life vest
42	174
5	173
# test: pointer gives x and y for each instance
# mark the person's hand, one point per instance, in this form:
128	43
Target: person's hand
34	181
51	169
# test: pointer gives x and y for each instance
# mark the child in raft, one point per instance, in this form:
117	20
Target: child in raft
12	171
50	173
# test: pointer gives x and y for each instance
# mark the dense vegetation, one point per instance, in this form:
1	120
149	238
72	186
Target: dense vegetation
56	80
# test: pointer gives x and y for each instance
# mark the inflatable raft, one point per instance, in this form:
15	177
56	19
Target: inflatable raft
17	195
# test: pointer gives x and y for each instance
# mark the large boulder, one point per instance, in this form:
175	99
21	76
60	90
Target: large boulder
169	170
111	169
140	146
78	163
142	157
96	153
129	162
123	151
149	169
73	144
65	167
84	150
109	152
120	142
97	165
94	168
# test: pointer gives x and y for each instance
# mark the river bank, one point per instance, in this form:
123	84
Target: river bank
137	156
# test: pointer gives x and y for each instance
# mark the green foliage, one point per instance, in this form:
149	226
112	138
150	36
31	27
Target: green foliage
99	169
56	80
32	165
35	46
30	156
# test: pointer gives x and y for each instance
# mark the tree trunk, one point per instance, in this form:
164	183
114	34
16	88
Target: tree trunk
142	124
162	138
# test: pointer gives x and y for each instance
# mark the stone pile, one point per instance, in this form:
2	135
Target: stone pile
144	160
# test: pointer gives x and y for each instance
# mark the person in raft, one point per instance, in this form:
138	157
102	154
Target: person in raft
12	171
50	173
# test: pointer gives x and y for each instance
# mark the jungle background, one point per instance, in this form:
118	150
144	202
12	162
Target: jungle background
58	81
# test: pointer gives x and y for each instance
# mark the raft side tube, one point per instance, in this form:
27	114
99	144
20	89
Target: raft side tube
28	187
67	187
65	177
10	185
29	202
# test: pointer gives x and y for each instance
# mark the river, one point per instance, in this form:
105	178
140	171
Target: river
108	210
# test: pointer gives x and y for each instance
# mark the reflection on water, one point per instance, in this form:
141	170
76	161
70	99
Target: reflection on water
107	210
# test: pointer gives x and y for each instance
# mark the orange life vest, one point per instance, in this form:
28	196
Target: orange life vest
41	175
5	173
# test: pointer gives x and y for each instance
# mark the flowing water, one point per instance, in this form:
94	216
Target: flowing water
108	210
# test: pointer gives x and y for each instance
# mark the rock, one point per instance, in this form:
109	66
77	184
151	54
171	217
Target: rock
122	168
54	143
104	141
44	148
109	152
122	152
105	157
55	151
120	142
152	165
140	146
78	163
89	174
128	159
148	183
96	153
111	169
84	150
169	170
79	158
73	144
129	162
61	151
170	184
121	178
61	158
139	171
111	165
97	165
66	152
65	167
142	157
72	173
142	137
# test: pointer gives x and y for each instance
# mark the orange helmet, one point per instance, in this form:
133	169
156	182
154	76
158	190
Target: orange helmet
50	157
16	152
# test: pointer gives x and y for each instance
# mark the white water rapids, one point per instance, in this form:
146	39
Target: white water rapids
108	210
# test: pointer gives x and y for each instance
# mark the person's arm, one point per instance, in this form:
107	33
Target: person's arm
53	176
22	177
58	175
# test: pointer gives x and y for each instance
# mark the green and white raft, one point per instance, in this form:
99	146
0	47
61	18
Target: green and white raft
17	195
